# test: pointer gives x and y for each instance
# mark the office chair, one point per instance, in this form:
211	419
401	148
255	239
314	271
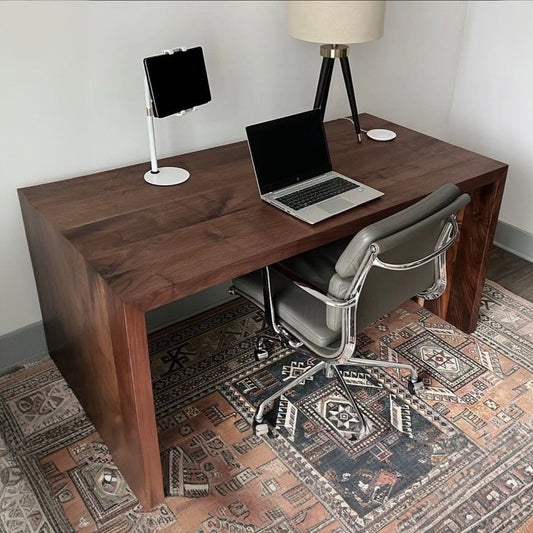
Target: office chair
321	299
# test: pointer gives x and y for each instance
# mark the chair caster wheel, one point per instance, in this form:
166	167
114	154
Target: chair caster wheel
261	354
260	428
414	387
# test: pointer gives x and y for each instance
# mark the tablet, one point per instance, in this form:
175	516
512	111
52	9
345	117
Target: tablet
177	82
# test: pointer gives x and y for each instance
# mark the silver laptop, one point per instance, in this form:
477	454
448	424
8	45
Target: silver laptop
293	169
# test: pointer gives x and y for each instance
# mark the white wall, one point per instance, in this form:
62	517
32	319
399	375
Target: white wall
72	97
408	76
492	111
460	71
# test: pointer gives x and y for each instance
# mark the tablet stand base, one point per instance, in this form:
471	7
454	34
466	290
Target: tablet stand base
167	176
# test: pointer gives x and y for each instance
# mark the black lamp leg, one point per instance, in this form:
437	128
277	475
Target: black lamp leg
351	94
324	82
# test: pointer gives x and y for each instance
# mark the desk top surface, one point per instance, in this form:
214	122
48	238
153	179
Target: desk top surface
154	245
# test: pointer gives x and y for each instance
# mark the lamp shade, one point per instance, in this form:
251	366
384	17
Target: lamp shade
335	22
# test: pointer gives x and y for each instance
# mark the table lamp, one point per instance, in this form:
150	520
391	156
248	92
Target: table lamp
335	23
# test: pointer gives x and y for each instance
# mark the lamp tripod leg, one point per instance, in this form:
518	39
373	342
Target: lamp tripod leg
351	95
324	82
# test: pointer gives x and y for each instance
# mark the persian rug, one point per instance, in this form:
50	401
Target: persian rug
457	458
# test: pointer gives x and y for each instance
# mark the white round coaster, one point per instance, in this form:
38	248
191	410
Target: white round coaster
381	135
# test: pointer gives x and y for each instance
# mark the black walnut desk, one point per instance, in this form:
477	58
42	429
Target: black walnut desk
108	247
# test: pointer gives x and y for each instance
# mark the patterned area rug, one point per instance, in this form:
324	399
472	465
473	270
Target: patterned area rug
458	458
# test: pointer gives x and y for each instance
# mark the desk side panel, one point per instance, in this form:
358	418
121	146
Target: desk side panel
467	263
100	347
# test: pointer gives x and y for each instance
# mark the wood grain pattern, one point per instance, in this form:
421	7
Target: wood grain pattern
108	247
140	239
472	256
100	346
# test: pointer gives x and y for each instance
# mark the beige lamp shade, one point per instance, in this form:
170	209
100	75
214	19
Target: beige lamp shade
335	22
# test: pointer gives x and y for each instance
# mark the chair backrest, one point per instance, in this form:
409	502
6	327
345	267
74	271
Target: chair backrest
404	237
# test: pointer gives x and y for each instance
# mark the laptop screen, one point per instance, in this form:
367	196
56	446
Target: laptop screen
288	150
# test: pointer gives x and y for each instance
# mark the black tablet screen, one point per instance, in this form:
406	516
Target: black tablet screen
177	81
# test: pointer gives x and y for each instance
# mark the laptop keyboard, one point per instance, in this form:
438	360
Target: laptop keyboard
317	193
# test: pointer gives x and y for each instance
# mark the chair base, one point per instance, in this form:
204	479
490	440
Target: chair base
261	351
282	336
261	425
414	387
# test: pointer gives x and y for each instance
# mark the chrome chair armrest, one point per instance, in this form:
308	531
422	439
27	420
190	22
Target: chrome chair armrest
451	231
309	287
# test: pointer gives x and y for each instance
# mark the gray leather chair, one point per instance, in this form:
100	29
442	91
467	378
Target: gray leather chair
321	299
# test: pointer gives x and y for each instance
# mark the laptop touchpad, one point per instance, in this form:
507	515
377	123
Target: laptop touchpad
335	205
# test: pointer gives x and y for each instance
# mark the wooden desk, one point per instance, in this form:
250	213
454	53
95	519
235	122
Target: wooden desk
107	248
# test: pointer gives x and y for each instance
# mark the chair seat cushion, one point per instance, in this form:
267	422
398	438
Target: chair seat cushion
296	309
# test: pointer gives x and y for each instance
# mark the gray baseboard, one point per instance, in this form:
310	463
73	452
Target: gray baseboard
514	240
28	344
22	346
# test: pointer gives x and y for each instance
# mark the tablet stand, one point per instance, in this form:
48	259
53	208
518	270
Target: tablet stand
161	175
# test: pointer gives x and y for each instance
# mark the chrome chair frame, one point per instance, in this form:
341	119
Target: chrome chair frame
343	354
